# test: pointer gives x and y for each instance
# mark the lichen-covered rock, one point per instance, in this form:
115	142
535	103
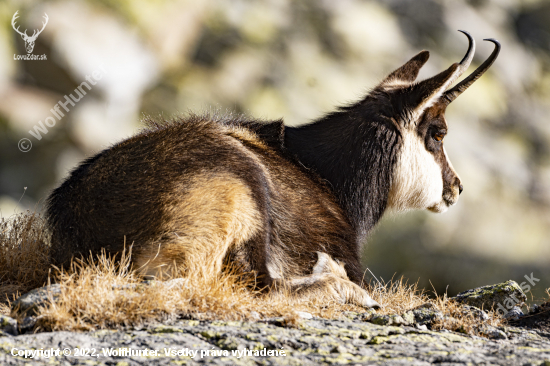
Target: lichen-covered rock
501	297
26	325
316	342
476	312
538	318
8	325
492	332
28	303
409	317
380	319
392	319
514	314
367	315
426	316
229	343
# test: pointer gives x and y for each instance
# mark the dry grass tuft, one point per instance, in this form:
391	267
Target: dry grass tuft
397	296
4	309
104	292
457	320
24	258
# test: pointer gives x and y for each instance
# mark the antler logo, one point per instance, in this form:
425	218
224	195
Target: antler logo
29	41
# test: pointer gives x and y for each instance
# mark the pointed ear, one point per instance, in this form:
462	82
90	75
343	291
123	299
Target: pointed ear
429	91
409	71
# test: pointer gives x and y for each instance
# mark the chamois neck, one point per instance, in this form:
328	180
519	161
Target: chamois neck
354	156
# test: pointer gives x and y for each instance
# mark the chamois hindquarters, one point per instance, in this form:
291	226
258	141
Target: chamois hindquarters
212	215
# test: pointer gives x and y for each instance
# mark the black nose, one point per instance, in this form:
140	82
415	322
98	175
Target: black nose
460	188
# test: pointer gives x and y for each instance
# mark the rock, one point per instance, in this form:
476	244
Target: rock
28	303
230	343
514	314
397	320
27	324
426	316
393	319
534	309
492	332
380	319
501	297
339	349
409	317
8	325
367	315
477	313
318	342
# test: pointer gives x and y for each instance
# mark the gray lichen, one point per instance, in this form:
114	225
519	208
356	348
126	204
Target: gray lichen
506	295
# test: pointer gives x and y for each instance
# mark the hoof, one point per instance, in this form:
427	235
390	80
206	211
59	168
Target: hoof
371	304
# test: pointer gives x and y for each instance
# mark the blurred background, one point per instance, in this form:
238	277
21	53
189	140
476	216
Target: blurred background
297	60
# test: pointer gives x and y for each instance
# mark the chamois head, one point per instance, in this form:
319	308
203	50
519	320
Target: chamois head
386	151
423	177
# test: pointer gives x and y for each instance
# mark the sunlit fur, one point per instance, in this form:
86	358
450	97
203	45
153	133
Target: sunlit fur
291	205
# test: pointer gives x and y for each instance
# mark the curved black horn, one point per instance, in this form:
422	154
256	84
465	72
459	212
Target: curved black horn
467	60
459	88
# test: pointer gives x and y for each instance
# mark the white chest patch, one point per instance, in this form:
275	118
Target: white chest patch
417	177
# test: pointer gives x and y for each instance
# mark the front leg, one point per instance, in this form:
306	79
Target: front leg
328	282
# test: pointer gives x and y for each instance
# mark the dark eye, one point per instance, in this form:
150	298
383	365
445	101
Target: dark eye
439	135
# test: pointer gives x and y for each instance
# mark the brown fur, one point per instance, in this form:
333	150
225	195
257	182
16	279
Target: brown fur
290	205
209	191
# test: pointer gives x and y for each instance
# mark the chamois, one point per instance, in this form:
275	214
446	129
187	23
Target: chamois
291	205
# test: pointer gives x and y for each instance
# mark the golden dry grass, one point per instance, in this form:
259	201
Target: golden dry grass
397	296
24	262
460	321
104	292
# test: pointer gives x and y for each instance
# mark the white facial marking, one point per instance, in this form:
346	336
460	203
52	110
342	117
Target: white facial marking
449	162
417	179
